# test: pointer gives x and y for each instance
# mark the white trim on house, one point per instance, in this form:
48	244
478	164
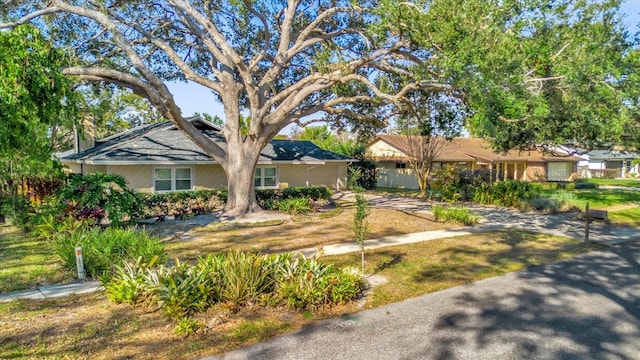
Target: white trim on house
173	178
263	177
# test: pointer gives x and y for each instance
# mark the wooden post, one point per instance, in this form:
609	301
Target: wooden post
586	223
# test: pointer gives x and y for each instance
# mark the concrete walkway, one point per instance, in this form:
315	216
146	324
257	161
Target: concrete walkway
52	291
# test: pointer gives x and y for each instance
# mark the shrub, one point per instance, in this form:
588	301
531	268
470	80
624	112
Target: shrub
455	215
182	290
295	206
547	205
308	284
187	326
508	193
104	248
182	204
294	200
18	208
95	196
236	279
445	184
585	185
314	193
244	278
128	283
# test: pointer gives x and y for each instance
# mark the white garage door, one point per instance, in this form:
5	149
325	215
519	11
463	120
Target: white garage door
559	171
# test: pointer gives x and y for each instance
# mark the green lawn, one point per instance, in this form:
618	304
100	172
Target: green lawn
597	198
27	262
616	182
417	269
630	217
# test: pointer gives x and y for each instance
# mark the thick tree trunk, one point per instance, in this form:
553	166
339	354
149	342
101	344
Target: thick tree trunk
240	171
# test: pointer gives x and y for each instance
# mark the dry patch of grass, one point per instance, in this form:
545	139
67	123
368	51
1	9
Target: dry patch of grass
91	327
298	233
26	262
421	268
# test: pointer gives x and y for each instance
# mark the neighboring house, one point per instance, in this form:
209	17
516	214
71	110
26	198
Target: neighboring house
160	158
608	163
392	151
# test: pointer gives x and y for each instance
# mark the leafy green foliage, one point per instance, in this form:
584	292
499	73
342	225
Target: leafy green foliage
244	278
308	284
182	290
234	279
113	110
182	204
34	96
508	193
360	225
97	195
451	184
455	215
48	223
294	200
296	206
445	184
315	193
102	249
187	326
127	284
542	72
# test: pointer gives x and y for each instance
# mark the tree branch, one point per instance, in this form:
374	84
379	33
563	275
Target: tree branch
27	18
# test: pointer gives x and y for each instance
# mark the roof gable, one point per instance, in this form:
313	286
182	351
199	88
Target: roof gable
471	149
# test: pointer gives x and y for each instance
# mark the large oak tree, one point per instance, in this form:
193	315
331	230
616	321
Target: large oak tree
530	71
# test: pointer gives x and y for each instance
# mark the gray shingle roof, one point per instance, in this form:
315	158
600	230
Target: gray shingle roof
612	154
163	143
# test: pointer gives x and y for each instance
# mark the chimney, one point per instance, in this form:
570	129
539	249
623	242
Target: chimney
85	136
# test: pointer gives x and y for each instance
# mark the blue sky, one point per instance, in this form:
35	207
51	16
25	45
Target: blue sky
194	98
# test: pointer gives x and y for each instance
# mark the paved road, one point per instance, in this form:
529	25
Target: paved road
587	307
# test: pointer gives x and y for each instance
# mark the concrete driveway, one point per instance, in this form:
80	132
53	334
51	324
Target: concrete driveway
587	307
494	217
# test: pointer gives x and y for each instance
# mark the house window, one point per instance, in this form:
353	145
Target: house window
400	165
265	177
172	179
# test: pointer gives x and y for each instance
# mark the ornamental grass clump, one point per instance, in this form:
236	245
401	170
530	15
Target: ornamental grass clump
102	249
234	279
455	215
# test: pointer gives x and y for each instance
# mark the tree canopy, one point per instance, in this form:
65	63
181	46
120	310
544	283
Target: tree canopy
34	96
529	72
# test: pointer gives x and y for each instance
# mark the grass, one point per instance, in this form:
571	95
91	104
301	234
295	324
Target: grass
26	262
89	326
422	268
629	217
455	215
616	182
303	232
597	198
